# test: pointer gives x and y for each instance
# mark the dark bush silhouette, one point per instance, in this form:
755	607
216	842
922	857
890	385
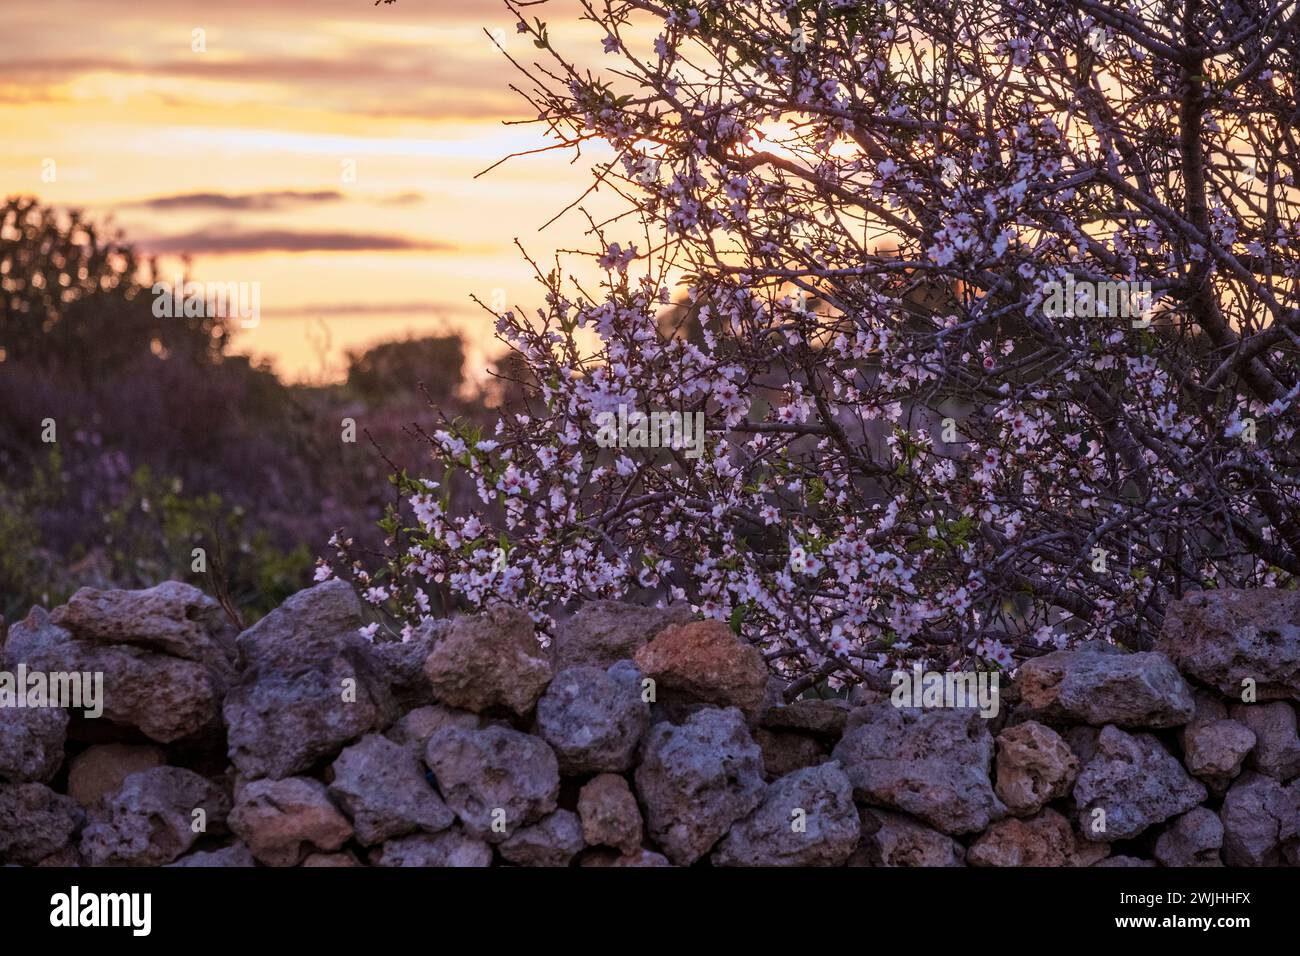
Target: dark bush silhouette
164	441
393	371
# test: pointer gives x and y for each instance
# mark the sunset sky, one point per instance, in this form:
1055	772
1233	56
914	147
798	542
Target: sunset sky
237	154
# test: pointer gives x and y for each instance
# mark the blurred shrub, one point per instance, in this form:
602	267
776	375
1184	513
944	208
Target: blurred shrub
394	371
167	442
76	297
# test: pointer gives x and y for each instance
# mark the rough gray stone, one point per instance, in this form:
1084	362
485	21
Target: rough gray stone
1258	815
31	743
807	818
705	662
932	764
401	663
235	855
309	685
151	820
1208	706
1082	742
1227	636
491	659
494	776
894	840
1194	839
1044	839
1277	746
603	633
174	618
1085	686
823	717
592	719
417	726
382	787
1135	782
35	822
552	841
696	779
1214	750
1034	766
1289	830
451	848
165	697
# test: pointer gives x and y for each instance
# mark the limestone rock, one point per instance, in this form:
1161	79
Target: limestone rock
1227	636
235	855
1085	686
494	775
552	841
418	725
705	662
165	697
401	663
1214	750
593	719
609	813
451	848
825	718
1194	839
1136	784
309	685
933	764
1044	839
807	818
1258	815
602	633
283	820
696	779
35	822
151	820
894	840
1277	746
1034	766
381	786
173	618
31	743
1288	831
488	660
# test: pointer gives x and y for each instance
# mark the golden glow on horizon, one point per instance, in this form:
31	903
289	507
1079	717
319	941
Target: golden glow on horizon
282	98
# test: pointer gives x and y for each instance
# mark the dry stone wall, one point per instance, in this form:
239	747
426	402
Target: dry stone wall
641	737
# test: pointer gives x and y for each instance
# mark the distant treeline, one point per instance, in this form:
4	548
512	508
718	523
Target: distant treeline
129	440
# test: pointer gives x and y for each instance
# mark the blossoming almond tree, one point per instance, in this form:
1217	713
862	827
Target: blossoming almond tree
844	221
